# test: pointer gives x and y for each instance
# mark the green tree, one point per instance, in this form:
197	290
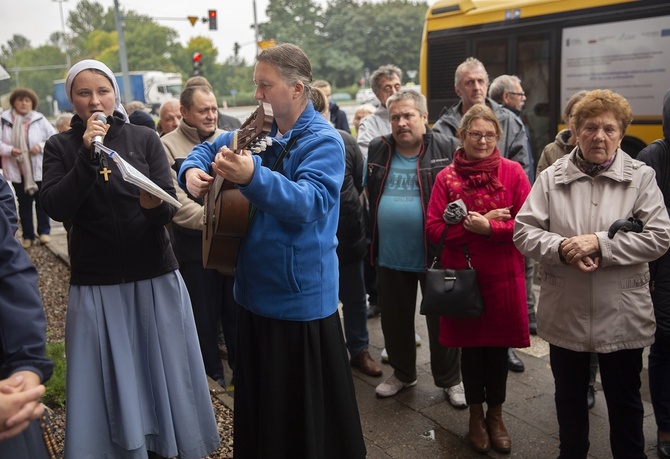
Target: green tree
7	59
89	16
14	44
347	25
148	44
394	41
294	21
34	71
349	37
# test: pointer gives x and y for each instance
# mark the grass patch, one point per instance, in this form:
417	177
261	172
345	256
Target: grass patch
55	393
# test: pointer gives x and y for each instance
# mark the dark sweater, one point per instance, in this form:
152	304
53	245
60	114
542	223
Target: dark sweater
351	226
113	240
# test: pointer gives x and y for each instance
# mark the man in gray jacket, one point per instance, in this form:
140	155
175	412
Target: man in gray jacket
385	81
471	83
211	292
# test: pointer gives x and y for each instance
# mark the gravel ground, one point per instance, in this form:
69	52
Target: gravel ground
53	285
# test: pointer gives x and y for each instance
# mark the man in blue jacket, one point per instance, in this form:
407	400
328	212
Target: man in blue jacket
23	365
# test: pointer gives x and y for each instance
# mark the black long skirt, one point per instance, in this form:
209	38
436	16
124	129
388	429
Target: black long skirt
294	393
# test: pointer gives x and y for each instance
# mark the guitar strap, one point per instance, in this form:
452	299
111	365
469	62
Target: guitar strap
275	167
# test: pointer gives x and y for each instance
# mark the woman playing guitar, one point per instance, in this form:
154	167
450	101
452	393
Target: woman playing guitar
294	394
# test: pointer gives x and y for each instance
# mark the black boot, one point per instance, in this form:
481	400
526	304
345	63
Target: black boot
514	363
591	393
532	323
591	396
663	446
374	310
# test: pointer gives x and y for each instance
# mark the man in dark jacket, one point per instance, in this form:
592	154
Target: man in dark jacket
23	365
657	155
471	83
350	253
401	171
337	116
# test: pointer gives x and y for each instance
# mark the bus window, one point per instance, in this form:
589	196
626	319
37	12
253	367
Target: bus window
532	66
493	53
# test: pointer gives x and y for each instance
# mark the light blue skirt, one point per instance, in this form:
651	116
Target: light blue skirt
135	377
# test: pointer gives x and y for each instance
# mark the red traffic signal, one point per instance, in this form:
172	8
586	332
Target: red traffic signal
197	57
212	19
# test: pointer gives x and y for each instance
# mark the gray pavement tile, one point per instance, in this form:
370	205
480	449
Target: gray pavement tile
401	432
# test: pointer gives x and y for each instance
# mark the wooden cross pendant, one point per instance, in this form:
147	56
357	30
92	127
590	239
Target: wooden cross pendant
106	173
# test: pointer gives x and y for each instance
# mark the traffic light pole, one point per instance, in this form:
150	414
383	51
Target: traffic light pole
256	27
122	53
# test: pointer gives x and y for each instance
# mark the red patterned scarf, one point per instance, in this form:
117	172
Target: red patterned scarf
480	172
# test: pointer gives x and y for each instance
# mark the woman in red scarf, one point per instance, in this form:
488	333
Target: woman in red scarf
493	189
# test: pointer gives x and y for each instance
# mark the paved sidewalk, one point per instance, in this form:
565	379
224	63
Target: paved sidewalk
418	423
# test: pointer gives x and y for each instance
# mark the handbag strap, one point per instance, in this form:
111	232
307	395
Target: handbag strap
467	255
440	247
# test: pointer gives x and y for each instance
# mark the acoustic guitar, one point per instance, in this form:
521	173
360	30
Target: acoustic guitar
226	212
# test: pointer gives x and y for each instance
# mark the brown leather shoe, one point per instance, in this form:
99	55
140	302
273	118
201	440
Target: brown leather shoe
364	362
478	436
500	439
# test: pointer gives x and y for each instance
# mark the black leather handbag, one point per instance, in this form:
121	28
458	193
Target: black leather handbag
451	292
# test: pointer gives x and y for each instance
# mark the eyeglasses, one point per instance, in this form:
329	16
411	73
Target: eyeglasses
477	136
517	93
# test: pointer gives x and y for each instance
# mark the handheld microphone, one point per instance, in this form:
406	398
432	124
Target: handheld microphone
100	117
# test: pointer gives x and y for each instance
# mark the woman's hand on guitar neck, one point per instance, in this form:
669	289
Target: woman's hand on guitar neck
236	167
198	182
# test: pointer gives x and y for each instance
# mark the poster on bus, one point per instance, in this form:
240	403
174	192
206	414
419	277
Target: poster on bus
631	58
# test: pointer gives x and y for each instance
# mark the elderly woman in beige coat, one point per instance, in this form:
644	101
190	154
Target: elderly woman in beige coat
595	294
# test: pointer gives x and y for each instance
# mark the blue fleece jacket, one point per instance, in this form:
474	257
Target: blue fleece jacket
287	266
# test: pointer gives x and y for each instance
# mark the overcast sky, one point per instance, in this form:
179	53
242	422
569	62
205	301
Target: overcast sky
37	19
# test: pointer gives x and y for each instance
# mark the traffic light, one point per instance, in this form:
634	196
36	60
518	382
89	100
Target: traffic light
236	49
197	57
212	20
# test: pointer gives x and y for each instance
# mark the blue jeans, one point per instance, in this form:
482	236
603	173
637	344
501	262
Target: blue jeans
354	306
26	212
659	375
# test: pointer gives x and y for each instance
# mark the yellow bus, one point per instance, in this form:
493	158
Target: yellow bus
556	47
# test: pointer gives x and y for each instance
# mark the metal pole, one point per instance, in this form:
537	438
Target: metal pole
256	27
62	26
122	54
